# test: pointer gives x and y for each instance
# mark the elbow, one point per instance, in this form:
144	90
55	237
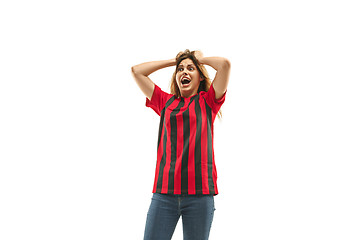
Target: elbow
137	71
226	64
223	64
133	70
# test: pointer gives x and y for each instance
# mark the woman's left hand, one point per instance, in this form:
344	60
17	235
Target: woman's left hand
199	55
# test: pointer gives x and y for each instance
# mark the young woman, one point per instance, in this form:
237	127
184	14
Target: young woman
185	176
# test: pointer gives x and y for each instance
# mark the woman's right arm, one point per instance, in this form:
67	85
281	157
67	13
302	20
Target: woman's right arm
142	71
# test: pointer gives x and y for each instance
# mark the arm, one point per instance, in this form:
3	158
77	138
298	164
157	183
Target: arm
142	71
222	67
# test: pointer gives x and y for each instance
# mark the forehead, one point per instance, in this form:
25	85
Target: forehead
186	62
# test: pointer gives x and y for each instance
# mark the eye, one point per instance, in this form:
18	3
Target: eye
191	68
180	69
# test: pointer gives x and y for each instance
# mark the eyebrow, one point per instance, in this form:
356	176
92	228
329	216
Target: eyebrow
191	64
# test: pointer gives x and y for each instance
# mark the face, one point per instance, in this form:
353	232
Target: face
188	78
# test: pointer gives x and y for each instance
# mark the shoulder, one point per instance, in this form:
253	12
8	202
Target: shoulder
211	100
210	94
158	99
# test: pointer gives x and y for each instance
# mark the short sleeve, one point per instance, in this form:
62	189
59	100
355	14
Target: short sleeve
158	100
214	104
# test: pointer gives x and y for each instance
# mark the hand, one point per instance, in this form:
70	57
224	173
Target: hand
179	54
199	55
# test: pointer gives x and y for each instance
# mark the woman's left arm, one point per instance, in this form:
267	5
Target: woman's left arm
222	67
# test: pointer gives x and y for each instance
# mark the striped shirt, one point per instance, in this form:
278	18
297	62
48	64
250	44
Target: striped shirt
185	154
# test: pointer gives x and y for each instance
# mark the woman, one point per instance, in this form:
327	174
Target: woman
185	176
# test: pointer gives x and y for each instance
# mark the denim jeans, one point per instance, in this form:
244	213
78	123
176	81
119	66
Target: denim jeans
197	213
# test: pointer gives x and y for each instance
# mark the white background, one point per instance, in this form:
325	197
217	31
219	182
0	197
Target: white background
78	145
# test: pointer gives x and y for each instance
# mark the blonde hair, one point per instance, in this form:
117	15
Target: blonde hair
204	75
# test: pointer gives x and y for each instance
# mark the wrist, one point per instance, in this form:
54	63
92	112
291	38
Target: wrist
201	60
172	62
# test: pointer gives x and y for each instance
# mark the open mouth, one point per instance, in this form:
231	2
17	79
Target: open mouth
185	81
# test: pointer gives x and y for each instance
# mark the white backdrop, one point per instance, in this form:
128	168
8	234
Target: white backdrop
78	145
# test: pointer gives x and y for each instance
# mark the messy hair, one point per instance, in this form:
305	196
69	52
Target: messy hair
204	75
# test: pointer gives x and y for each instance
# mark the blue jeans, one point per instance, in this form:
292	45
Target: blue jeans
197	213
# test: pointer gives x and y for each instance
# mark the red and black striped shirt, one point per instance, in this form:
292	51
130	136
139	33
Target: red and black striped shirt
185	154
